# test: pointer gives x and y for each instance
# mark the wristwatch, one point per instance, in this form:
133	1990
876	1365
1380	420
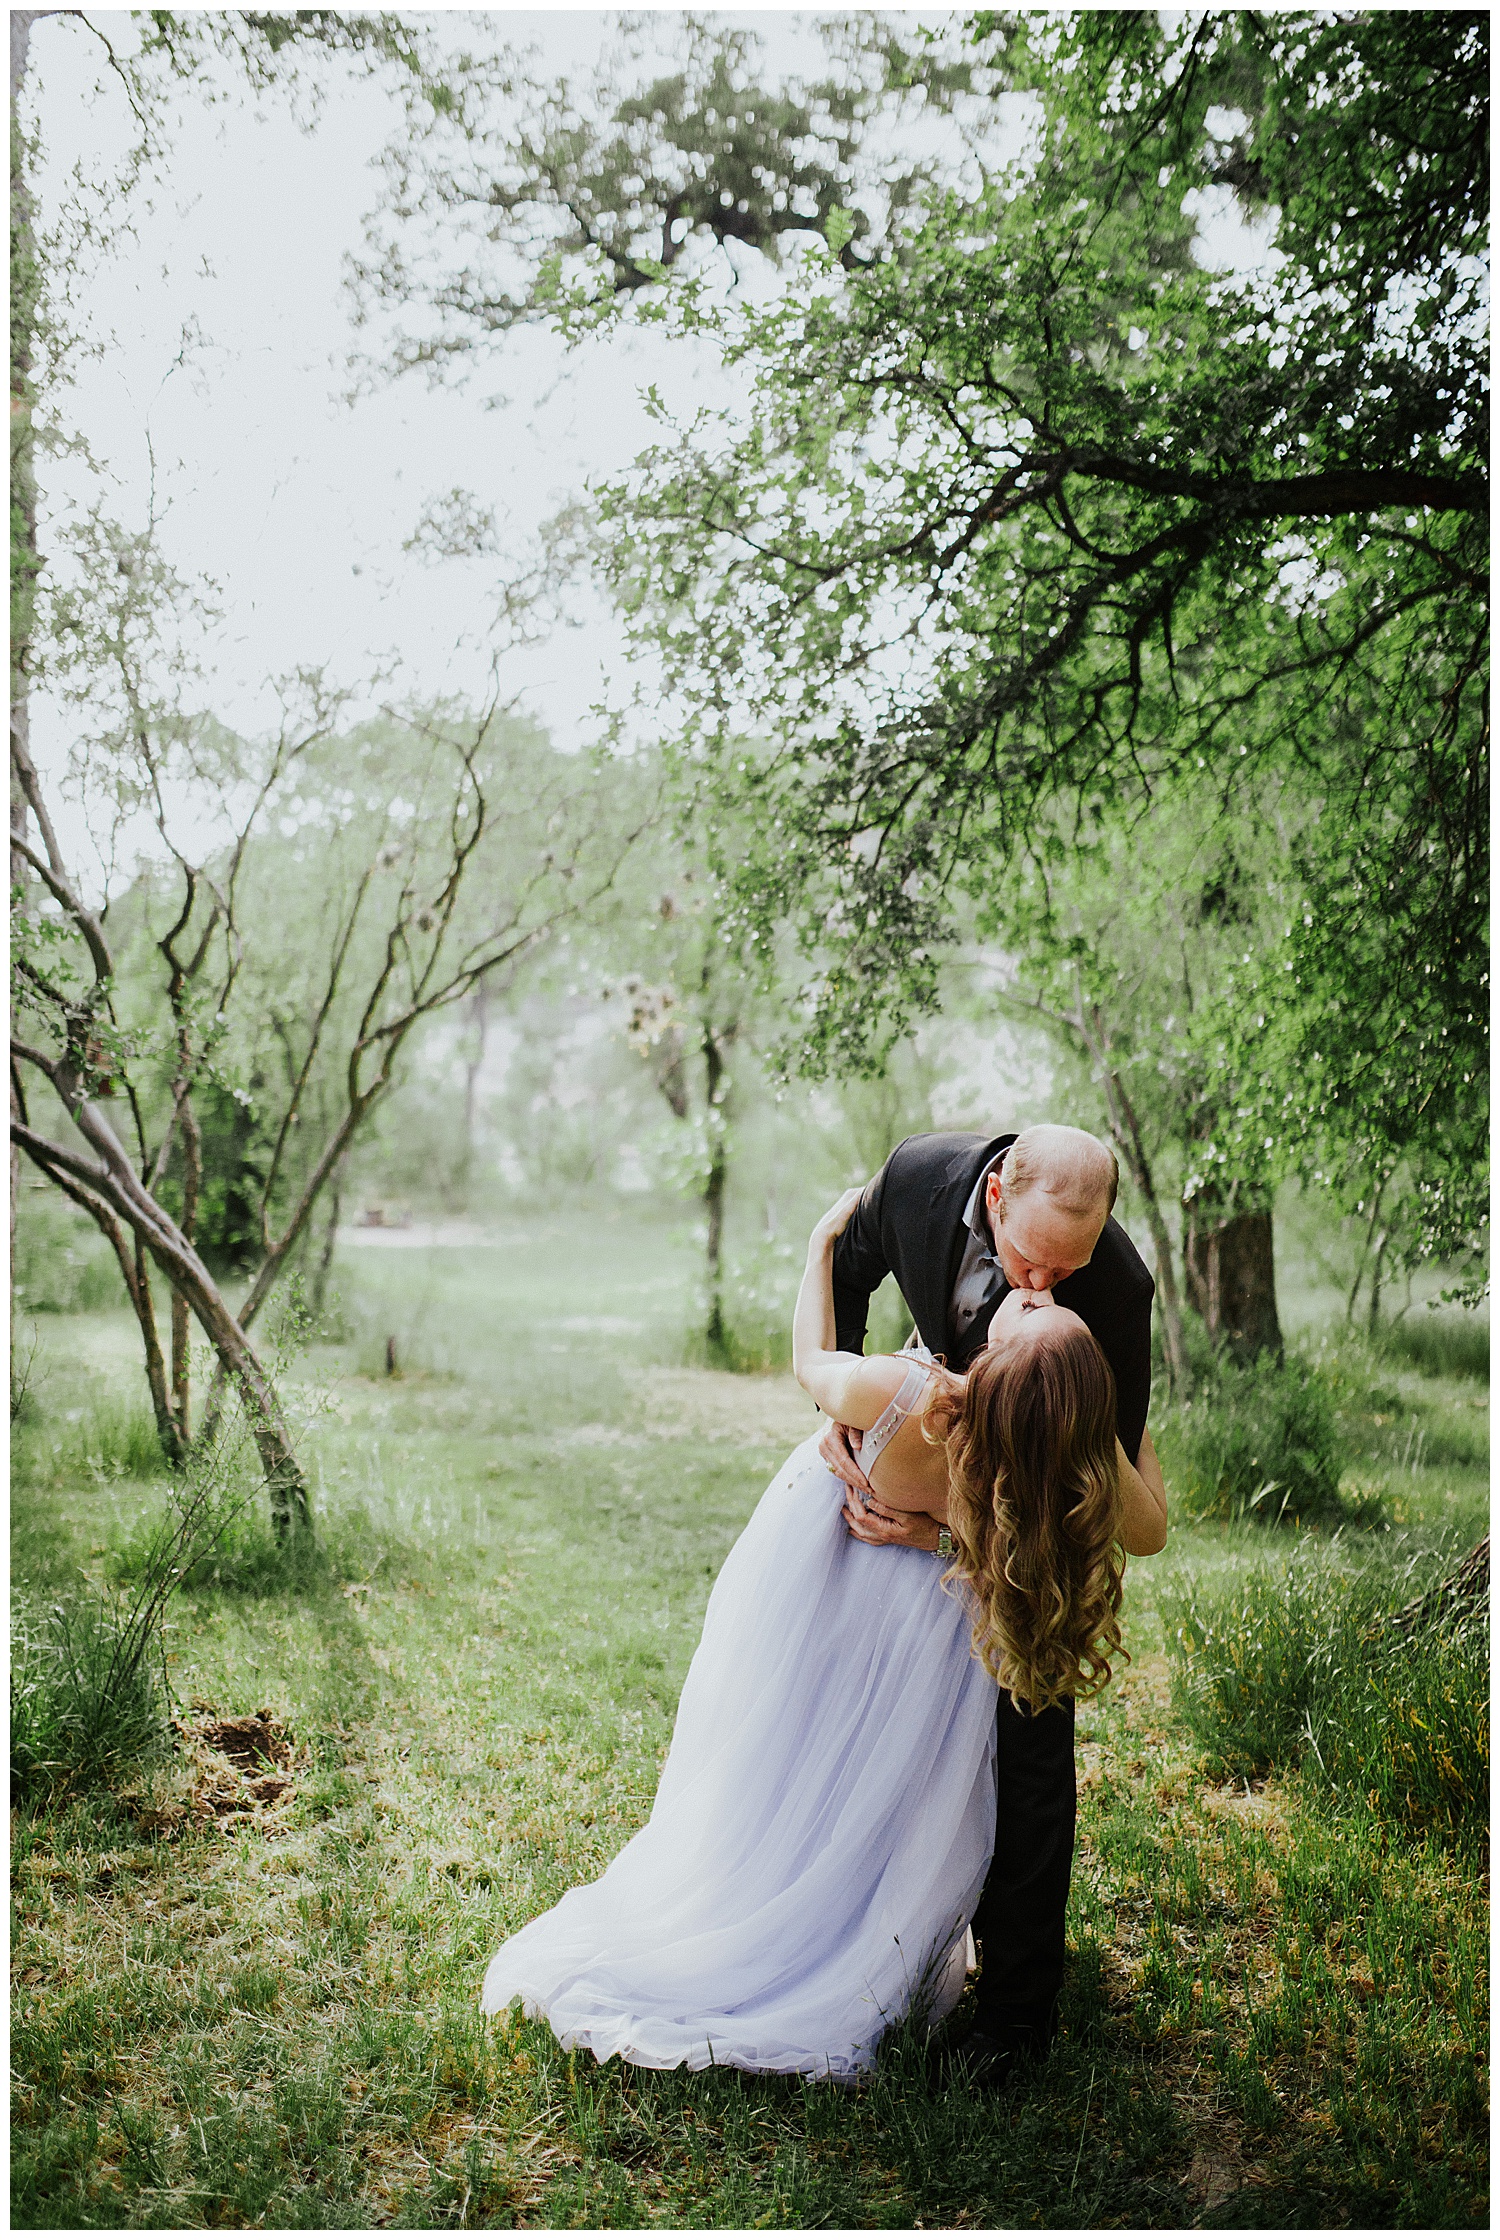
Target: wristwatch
945	1547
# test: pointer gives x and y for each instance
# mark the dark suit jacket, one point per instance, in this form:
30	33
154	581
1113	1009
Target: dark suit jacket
909	1224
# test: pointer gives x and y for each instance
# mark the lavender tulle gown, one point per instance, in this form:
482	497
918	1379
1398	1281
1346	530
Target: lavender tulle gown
823	1823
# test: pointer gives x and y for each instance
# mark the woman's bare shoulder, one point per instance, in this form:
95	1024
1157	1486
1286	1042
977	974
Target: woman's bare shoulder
889	1371
873	1382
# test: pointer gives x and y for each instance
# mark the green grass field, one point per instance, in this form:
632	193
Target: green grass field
1274	2016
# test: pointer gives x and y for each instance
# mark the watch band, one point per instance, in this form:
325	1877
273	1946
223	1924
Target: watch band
945	1547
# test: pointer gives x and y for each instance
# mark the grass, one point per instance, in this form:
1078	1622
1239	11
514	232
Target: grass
1273	2015
1259	1441
1298	1665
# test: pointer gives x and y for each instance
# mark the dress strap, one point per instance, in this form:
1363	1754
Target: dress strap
894	1414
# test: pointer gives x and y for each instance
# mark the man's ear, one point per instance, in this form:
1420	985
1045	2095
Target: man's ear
993	1191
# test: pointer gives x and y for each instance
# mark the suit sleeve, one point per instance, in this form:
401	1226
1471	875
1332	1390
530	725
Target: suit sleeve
1130	1358
860	1265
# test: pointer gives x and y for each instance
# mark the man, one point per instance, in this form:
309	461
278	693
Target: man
960	1220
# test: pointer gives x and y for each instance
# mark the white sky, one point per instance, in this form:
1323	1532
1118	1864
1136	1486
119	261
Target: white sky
293	499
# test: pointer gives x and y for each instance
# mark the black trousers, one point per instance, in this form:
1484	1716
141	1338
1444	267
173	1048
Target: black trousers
1020	1920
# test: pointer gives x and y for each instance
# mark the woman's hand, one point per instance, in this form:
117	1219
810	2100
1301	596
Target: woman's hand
836	1220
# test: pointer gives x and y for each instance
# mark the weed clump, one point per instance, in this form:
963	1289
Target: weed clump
1303	1664
1261	1442
88	1697
90	1701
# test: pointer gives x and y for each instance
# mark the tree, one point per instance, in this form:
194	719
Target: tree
401	932
1131	942
1032	506
1040	515
455	850
693	1010
520	190
1034	509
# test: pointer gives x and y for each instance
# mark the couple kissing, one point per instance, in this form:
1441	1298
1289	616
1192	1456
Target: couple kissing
871	1770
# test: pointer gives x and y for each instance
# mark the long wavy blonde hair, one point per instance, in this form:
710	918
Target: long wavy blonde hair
1034	1510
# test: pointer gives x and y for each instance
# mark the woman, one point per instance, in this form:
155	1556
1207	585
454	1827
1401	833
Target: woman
823	1821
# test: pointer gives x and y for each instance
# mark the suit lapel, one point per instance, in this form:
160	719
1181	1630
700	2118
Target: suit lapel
928	1234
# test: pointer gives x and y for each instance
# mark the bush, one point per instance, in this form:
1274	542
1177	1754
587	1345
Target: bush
1297	1665
1440	1345
88	1696
242	1557
1260	1441
760	1292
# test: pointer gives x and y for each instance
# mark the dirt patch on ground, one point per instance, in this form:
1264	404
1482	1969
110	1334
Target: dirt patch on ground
1253	1803
713	1404
225	1766
1220	2167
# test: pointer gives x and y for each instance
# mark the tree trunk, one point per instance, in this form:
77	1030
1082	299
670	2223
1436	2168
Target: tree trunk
1363	1263
473	1067
1376	1267
163	1405
132	1266
286	1484
1231	1278
330	1237
192	1179
23	552
1166	1293
115	1183
713	1194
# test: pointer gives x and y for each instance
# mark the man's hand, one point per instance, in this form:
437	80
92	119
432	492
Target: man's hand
839	1449
879	1527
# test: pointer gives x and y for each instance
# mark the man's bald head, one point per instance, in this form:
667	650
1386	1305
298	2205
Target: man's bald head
1048	1203
1079	1173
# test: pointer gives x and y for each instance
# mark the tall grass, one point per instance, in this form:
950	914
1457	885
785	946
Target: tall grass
112	1439
89	1693
1440	1345
1258	1442
1299	1665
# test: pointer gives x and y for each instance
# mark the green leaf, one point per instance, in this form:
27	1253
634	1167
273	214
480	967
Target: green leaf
838	229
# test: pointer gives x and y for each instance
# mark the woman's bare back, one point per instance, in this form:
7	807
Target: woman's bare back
911	1472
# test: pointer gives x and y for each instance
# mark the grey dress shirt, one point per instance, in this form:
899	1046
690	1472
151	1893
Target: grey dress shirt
981	1282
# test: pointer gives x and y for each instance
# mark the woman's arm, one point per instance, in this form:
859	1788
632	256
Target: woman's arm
1143	1501
846	1386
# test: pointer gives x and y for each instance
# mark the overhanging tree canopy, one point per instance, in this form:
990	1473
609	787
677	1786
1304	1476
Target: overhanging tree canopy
1042	509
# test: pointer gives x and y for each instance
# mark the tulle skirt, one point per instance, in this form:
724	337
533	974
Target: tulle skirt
821	1830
